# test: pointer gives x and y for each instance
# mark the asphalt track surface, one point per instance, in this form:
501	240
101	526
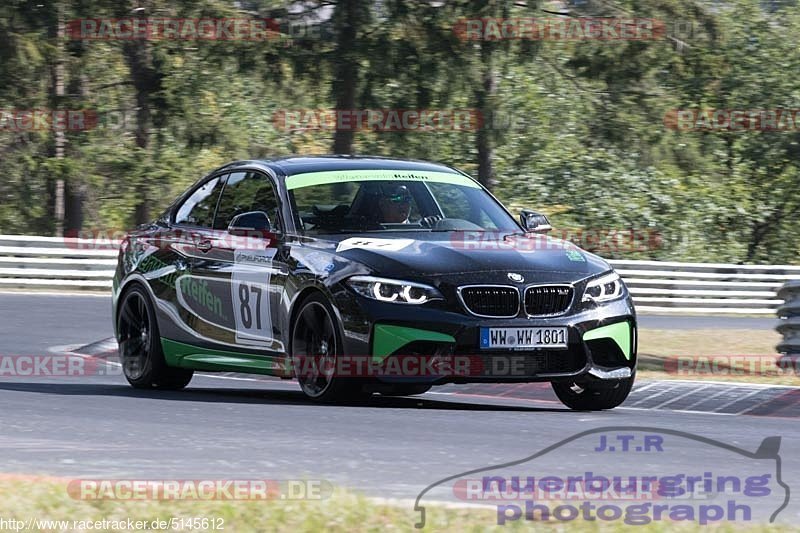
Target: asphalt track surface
224	427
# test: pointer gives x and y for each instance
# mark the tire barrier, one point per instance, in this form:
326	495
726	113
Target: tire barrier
789	325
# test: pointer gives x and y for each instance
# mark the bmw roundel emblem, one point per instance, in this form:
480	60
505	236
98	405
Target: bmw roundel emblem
517	278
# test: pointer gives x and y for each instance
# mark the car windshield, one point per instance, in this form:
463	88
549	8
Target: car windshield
385	201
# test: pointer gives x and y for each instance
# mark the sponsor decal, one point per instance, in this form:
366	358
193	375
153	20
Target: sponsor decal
198	296
388	245
318	263
250	295
310	179
154	268
575	255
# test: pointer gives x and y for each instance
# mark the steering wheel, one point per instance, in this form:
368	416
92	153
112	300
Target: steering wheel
430	221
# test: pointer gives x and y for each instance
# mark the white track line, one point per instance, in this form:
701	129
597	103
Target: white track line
92	294
740	398
720	393
70	348
698	389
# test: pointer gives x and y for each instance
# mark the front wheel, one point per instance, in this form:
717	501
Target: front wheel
140	345
314	351
587	396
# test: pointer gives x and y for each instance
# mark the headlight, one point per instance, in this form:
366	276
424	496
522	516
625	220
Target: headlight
392	290
603	289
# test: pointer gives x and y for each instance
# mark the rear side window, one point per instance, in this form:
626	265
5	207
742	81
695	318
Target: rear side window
198	209
245	192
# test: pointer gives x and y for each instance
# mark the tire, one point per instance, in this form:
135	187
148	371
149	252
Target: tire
140	349
407	390
591	397
315	335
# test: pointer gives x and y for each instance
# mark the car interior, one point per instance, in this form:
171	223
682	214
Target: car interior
362	213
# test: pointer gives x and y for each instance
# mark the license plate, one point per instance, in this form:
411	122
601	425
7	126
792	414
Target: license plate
523	338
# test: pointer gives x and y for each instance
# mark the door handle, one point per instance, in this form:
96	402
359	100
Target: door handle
204	245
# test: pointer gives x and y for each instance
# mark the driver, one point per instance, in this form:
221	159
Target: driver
394	203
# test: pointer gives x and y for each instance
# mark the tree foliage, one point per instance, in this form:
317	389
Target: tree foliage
575	129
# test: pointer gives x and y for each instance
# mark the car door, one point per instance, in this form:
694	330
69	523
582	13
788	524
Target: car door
254	259
199	266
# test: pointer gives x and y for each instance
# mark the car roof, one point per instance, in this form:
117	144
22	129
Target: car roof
290	165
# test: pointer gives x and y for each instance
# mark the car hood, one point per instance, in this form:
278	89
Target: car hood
458	256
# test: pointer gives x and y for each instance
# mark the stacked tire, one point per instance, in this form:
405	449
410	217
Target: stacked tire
789	326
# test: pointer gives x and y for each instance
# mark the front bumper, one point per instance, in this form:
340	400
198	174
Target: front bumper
601	344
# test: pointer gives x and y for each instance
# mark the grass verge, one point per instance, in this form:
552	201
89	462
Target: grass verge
706	355
44	499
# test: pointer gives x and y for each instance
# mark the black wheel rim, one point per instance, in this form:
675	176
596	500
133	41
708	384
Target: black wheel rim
134	335
314	349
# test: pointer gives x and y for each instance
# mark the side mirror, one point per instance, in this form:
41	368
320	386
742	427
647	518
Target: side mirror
251	221
534	222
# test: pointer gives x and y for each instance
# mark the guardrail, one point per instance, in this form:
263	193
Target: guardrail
656	286
30	262
673	287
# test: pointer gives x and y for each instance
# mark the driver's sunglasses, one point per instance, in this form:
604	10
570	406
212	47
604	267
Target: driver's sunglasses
399	199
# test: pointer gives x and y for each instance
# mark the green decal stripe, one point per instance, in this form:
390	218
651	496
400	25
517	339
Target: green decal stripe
388	339
182	355
619	333
340	176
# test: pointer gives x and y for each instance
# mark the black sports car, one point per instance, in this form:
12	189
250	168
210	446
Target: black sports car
361	275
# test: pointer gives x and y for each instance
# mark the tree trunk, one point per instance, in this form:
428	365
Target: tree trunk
136	57
145	82
59	137
75	190
484	101
346	19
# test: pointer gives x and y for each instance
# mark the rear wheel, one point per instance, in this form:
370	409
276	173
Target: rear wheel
140	345
589	396
315	347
